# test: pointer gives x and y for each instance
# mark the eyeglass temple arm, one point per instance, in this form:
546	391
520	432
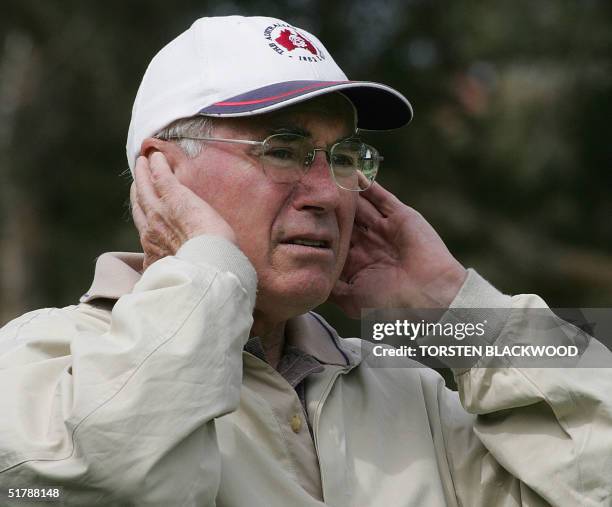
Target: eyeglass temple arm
380	158
218	139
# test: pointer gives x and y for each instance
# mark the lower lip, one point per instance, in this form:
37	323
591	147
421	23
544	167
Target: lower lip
306	250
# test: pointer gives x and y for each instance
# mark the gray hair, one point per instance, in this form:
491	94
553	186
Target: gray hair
194	126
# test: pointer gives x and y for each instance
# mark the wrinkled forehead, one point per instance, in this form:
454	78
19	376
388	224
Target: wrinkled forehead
328	117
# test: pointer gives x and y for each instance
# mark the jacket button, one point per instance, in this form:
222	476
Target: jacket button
296	423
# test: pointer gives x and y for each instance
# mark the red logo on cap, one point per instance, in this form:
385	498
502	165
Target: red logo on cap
293	40
285	40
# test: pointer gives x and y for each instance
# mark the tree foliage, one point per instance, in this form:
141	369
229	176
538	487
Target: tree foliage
509	154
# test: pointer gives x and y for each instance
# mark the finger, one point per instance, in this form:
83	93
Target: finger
140	219
146	196
162	177
366	215
383	200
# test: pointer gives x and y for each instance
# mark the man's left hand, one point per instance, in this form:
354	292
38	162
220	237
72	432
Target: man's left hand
396	259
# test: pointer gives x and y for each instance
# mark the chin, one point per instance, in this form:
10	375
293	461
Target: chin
294	296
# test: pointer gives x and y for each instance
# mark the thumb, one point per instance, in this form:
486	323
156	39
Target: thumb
342	296
341	290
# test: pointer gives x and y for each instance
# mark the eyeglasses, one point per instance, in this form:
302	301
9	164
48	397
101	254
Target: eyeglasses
286	157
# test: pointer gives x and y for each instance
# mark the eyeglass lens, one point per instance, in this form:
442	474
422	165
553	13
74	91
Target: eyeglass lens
286	157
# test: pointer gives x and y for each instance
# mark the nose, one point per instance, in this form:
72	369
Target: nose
317	189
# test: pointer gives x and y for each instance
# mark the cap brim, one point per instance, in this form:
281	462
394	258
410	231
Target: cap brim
379	107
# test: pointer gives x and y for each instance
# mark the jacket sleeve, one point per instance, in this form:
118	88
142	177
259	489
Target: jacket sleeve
525	436
127	417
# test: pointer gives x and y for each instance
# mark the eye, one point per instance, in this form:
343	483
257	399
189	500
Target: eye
284	153
343	160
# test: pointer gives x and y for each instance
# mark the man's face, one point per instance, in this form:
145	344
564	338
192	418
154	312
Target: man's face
267	217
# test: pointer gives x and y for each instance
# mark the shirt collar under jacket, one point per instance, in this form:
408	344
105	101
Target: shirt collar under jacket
116	274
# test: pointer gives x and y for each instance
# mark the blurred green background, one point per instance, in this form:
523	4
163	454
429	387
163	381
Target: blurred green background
509	155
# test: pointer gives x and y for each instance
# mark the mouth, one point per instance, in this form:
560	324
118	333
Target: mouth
308	241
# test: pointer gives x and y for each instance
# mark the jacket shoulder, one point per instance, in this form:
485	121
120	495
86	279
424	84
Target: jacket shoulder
60	324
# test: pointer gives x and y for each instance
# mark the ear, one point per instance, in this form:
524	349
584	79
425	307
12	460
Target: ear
173	153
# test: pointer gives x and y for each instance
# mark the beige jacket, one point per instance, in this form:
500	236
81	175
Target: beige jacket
155	403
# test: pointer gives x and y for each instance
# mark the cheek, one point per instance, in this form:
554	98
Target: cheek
219	187
248	208
241	195
196	179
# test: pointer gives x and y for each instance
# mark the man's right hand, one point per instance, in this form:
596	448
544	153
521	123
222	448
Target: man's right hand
167	213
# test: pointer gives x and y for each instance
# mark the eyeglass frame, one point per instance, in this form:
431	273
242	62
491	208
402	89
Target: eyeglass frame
310	156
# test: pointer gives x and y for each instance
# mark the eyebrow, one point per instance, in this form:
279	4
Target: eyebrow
294	129
288	129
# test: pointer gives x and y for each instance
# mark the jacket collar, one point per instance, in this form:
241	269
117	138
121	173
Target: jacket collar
117	272
115	275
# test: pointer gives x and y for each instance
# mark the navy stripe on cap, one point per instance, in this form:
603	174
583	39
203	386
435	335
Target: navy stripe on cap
267	96
378	107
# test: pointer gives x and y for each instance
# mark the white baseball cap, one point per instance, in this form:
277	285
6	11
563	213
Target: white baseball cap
241	66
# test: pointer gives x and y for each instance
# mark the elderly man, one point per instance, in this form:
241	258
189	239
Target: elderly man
195	374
